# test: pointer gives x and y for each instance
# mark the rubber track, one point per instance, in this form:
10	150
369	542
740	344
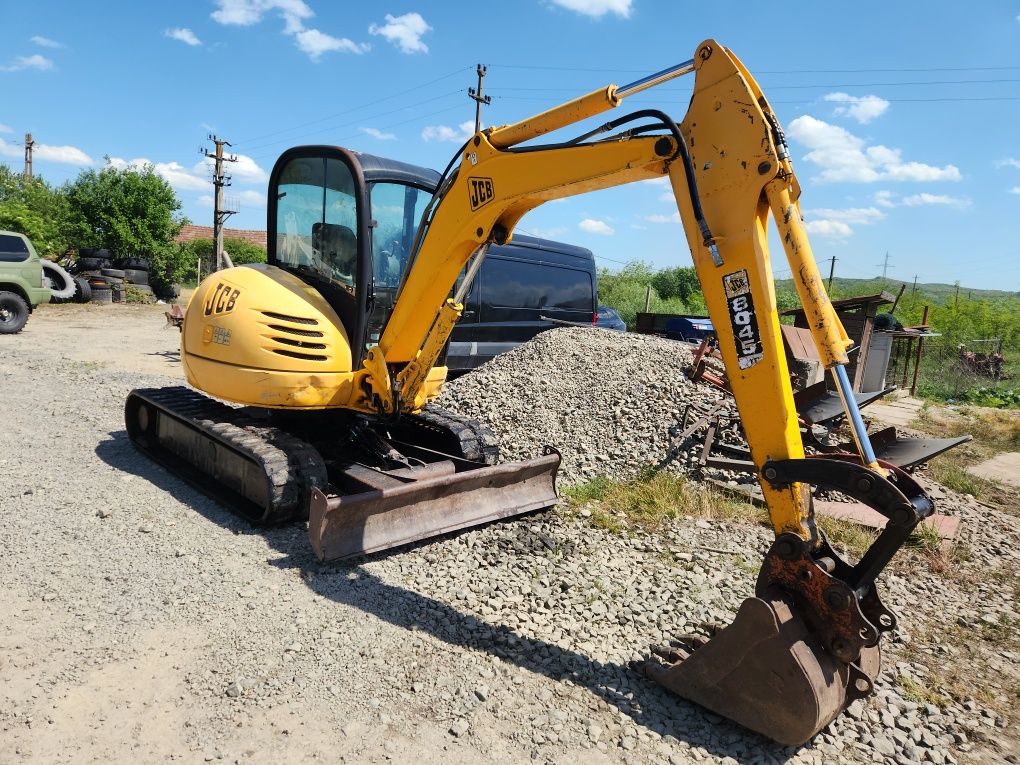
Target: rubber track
292	466
477	441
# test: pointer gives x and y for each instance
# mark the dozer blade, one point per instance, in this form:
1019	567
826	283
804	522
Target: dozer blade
767	672
408	506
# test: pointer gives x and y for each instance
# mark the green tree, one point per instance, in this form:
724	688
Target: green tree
680	282
35	209
239	250
131	212
626	291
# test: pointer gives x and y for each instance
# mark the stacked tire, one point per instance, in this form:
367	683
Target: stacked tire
104	278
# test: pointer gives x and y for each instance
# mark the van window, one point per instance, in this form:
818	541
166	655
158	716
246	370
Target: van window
12	249
519	284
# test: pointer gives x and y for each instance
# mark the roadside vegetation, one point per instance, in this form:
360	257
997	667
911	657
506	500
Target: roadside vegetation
130	211
982	321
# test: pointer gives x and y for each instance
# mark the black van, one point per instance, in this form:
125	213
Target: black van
522	288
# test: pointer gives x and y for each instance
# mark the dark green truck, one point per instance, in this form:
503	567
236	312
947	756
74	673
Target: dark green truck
21	281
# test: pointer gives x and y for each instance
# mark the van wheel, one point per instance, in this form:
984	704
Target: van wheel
13	313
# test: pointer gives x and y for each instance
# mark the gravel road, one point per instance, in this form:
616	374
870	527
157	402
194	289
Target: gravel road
141	622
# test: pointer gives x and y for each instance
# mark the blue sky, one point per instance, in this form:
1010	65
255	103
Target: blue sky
902	116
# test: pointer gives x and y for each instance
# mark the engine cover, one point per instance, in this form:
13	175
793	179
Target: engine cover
259	335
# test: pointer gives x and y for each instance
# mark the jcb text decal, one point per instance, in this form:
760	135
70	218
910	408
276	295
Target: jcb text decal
480	191
743	320
222	300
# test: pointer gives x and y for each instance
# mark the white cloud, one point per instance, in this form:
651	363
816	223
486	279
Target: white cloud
252	198
458	134
888	199
404	31
184	35
245	169
175	174
1008	163
918	200
123	164
852	215
832	229
34	61
596	8
674	218
838	224
63	155
315	43
379	135
244	13
884	199
206	200
596	227
861	108
1015	190
5	128
842	156
294	13
45	42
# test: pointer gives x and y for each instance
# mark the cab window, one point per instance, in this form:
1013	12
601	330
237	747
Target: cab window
316	220
396	209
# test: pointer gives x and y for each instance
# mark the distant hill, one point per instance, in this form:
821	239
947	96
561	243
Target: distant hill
938	293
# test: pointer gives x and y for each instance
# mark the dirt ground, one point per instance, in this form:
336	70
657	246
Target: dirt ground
141	622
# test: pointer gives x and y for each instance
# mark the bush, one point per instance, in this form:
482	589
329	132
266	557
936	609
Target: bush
130	212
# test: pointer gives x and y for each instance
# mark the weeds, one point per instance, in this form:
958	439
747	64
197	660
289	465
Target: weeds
920	693
653	498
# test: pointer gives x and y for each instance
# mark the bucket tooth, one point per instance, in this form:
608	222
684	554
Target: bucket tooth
767	672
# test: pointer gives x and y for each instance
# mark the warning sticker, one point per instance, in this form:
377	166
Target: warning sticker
743	320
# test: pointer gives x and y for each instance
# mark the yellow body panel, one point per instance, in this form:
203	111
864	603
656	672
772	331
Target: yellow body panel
259	335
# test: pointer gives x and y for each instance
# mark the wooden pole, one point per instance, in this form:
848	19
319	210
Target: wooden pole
917	358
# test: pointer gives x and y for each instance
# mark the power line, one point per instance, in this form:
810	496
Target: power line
354	135
364	119
819	85
767	71
365	105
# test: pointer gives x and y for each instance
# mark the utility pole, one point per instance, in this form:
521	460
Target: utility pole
885	266
832	270
478	98
220	179
956	303
29	143
915	285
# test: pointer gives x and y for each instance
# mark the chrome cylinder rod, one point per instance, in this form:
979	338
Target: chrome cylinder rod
654	79
472	271
854	414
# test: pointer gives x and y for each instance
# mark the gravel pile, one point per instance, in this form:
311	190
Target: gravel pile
606	400
140	621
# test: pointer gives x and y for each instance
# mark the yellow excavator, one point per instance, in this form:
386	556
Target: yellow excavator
335	348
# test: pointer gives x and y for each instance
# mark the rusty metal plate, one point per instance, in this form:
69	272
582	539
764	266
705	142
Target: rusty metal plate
357	524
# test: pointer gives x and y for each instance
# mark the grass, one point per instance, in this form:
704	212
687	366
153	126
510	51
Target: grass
920	693
653	498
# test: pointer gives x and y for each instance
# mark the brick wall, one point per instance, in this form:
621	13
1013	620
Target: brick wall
205	232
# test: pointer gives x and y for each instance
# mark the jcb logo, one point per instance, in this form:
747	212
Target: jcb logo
222	300
481	191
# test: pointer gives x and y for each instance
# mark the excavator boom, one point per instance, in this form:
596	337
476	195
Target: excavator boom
806	644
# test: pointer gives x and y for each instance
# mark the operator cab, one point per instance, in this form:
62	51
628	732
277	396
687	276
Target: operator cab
344	222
